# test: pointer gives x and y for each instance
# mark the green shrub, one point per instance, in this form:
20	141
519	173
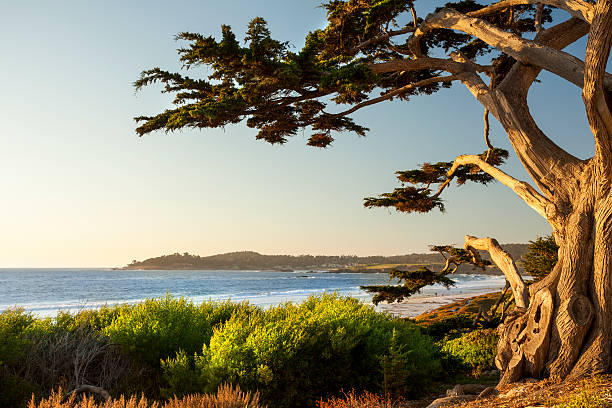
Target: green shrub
296	354
585	400
14	323
475	351
156	329
441	328
97	319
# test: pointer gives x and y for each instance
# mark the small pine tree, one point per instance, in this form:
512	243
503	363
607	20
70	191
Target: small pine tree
541	258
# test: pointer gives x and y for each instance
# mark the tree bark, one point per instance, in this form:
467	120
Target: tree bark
567	330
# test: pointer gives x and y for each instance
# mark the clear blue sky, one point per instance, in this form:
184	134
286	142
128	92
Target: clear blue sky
79	188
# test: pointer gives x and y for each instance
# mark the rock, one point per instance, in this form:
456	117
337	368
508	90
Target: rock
442	402
465	389
488	392
516	392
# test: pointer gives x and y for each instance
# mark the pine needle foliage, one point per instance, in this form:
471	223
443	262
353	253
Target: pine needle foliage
420	197
409	282
279	91
541	258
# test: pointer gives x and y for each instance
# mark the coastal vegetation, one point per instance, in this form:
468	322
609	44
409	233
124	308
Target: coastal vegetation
326	352
293	355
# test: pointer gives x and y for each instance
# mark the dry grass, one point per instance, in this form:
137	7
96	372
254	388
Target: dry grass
226	397
365	400
593	392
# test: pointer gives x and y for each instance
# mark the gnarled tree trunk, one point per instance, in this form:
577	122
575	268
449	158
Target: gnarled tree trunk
568	327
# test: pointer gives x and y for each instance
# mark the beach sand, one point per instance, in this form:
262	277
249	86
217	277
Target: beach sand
417	305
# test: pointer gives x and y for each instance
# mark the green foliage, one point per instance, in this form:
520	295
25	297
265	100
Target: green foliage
156	329
444	326
541	257
475	350
397	370
411	282
279	91
585	400
14	324
296	354
14	327
16	391
419	197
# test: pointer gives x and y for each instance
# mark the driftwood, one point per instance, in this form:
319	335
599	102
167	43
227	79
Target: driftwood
89	389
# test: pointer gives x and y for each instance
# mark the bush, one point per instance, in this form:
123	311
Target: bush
14	324
585	400
226	397
37	355
474	351
440	328
156	329
296	354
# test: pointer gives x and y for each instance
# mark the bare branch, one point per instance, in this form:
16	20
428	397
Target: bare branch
576	8
398	91
505	263
418	64
91	389
524	190
414	16
486	129
538	18
383	37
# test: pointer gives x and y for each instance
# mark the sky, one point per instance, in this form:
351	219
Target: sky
79	188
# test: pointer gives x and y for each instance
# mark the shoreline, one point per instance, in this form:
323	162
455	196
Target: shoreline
416	306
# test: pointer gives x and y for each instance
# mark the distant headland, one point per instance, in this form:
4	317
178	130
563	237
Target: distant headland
249	260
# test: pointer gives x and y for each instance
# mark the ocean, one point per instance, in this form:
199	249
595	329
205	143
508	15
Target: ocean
45	291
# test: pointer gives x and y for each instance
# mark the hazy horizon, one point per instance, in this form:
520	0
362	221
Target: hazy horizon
80	189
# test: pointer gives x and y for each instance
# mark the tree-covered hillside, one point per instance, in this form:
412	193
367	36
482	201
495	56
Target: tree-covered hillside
250	260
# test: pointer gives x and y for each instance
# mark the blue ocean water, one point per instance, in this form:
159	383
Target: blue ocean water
45	291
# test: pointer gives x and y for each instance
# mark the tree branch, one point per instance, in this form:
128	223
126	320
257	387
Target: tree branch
576	8
397	92
383	37
546	162
524	190
419	64
504	262
526	51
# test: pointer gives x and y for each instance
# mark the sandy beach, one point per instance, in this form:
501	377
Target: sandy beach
420	304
